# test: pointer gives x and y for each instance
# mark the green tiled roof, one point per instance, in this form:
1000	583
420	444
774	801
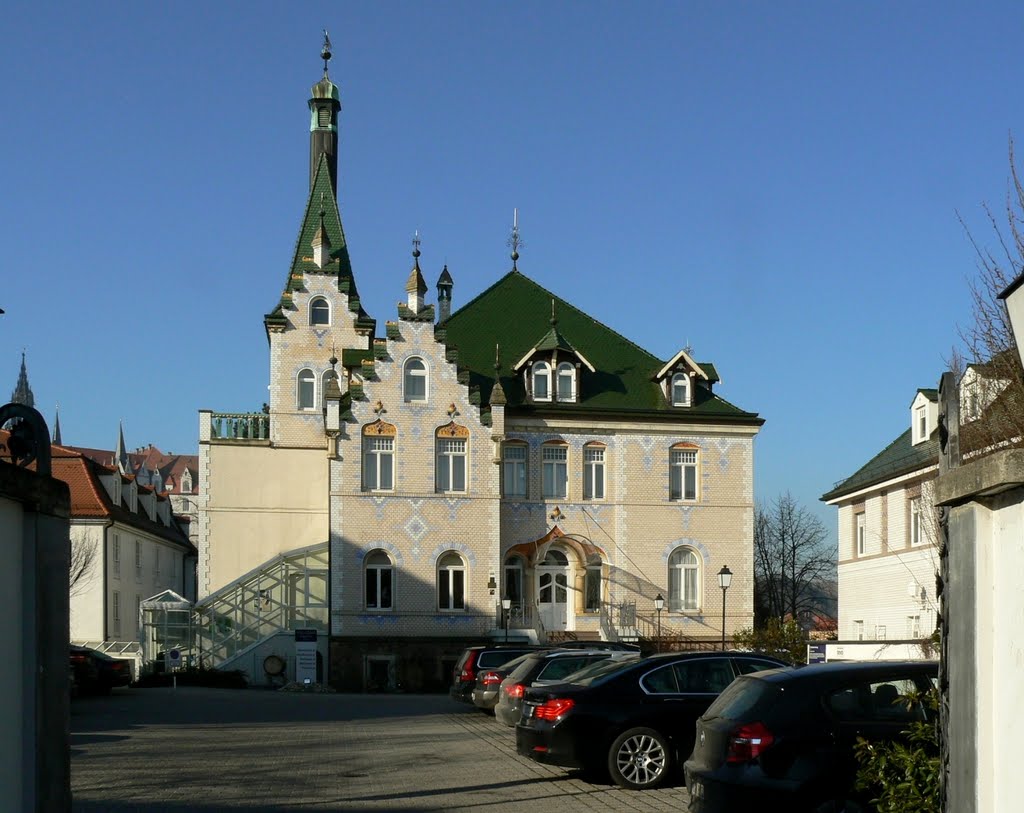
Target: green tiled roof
898	458
514	311
321	195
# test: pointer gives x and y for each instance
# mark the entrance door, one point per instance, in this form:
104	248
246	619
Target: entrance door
553	591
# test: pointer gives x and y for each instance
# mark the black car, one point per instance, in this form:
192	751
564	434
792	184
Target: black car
544	668
96	672
477	658
637	722
488	681
784	740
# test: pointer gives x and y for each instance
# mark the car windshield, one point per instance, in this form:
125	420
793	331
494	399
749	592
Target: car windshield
598	668
518	668
741	698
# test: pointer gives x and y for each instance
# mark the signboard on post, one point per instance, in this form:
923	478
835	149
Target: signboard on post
816	652
305	656
173	659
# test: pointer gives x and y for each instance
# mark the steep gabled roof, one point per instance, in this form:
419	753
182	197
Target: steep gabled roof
321	198
899	458
514	311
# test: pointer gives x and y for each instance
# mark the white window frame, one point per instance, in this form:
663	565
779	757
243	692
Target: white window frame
682	462
540	371
555	471
455	576
305	377
452	459
858	630
684	379
921	422
409	374
378	450
914	626
860	533
567	371
592	580
514	568
916	531
685	576
513	470
117	555
377	568
880	632
312	306
594	472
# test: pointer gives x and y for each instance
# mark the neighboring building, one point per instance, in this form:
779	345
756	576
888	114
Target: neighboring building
887	543
398	487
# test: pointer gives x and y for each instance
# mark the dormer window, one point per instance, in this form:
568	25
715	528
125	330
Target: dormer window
566	382
921	422
319	312
186	482
680	389
541	379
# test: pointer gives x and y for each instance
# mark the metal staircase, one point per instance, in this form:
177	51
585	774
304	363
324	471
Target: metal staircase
285	593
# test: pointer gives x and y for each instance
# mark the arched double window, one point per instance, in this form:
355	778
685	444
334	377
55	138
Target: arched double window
566	382
319	311
415	381
379	581
540	375
680	389
683	580
451	582
306	389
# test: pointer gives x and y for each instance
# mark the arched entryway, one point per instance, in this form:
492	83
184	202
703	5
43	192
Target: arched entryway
554	577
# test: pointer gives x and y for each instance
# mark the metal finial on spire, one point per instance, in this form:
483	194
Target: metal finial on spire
554	319
514	242
325	52
416	244
497	357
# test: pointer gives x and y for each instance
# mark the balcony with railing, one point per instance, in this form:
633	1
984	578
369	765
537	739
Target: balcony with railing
239	426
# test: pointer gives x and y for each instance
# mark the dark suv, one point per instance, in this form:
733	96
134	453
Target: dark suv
476	658
783	740
636	722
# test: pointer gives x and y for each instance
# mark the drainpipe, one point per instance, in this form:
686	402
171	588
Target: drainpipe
106	576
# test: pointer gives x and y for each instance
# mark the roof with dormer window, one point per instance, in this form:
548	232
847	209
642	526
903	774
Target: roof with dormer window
620	375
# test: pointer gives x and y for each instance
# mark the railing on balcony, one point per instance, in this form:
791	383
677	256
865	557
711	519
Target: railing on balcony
520	616
239	426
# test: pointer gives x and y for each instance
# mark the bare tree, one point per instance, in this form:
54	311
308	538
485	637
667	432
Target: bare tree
791	560
994	412
84	559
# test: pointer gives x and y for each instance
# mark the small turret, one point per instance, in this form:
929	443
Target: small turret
324	107
444	295
415	287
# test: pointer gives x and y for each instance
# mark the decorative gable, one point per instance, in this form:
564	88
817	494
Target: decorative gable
679	377
924	415
551	367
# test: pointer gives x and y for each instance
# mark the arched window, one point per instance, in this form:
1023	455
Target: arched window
555	457
566	382
319	311
513	473
682	476
306	389
451	582
415	380
541	375
379	581
680	389
683	580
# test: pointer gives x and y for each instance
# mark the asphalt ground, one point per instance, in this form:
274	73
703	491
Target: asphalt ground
208	750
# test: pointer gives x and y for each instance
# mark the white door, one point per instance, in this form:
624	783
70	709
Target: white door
553	591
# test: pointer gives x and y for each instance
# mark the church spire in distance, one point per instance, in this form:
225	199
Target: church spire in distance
22	390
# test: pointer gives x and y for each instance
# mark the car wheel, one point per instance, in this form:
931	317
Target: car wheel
639	758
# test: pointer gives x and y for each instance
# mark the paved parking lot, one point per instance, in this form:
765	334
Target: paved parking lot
212	750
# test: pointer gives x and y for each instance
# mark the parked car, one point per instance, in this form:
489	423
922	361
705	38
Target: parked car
783	740
635	722
96	672
488	681
476	658
545	668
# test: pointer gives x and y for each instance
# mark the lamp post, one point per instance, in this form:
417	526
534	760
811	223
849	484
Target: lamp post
659	605
724	580
506	604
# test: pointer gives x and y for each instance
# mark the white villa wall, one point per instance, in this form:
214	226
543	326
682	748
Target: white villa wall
877	591
87	596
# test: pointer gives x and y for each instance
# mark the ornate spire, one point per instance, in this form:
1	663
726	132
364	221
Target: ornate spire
56	426
121	454
497	391
514	242
554	319
325	52
22	391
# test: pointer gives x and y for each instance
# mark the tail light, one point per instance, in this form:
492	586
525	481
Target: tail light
554	709
490	678
748	742
468	673
515	690
77	657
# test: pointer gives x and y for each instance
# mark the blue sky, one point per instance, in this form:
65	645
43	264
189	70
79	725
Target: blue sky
775	184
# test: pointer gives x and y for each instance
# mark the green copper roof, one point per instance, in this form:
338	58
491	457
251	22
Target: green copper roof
321	197
514	311
898	458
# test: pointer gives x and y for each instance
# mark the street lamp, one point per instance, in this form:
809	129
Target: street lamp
1014	297
506	604
724	580
659	605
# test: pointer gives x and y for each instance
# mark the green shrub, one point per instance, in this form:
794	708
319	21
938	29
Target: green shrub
904	777
783	639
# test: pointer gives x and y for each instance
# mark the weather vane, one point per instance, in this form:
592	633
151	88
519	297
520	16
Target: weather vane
325	52
514	242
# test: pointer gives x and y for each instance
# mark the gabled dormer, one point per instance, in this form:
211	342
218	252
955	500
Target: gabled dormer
133	495
680	376
186	482
551	368
981	384
924	415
